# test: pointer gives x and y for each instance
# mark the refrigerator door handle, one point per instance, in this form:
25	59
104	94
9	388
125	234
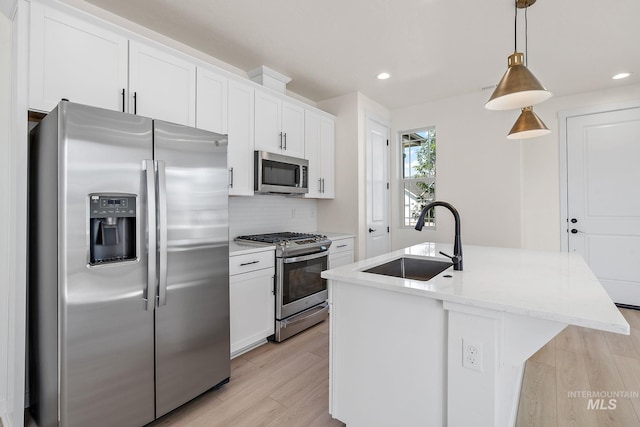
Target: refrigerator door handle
150	190
162	233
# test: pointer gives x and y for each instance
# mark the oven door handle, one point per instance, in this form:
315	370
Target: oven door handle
290	260
302	317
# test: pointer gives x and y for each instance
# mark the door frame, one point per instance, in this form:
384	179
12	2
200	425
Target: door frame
371	117
563	116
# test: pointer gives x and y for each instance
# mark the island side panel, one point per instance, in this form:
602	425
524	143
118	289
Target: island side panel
387	357
489	390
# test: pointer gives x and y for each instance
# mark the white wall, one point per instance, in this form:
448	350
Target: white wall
7	7
541	222
346	212
341	213
5	203
477	170
507	192
271	213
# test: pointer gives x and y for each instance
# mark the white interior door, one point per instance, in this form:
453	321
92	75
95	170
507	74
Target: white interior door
377	178
603	198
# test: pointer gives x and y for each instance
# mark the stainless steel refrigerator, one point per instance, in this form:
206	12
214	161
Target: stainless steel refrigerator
128	267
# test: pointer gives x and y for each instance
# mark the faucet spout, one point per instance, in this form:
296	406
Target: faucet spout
457	242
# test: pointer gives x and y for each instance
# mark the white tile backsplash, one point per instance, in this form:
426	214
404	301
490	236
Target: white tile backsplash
271	213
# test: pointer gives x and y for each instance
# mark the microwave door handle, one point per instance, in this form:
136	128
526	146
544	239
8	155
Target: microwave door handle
162	233
150	193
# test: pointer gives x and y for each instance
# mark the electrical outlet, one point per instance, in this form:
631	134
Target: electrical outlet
472	355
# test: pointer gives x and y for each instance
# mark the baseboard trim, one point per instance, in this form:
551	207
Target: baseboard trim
629	306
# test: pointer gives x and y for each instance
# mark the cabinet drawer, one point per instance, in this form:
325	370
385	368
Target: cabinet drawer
251	262
341	245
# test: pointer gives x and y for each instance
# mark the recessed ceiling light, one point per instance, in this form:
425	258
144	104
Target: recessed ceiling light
621	76
383	76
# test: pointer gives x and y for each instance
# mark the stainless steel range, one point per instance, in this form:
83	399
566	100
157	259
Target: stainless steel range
301	294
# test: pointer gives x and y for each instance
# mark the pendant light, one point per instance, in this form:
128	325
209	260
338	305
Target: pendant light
528	125
518	88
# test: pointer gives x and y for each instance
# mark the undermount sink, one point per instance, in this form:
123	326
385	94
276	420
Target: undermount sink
411	268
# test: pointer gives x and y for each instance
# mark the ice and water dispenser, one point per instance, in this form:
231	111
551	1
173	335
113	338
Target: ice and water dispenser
112	228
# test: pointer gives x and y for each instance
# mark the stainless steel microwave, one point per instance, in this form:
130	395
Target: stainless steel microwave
275	173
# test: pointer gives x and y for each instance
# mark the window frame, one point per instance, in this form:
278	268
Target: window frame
430	223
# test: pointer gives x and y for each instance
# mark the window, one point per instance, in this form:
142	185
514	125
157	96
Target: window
418	177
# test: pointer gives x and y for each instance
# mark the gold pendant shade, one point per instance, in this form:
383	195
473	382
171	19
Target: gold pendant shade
518	87
528	125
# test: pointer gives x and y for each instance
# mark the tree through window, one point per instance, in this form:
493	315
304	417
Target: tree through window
418	174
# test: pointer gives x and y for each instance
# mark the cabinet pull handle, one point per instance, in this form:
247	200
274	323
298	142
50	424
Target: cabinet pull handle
231	178
323	185
248	263
285	140
319	185
281	140
135	102
341	246
123	100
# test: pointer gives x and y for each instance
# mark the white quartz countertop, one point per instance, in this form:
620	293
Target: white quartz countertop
236	248
556	286
336	236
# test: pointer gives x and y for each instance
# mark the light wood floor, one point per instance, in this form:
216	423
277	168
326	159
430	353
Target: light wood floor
287	384
284	384
586	360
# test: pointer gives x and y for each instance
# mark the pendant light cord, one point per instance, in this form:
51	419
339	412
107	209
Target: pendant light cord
526	38
526	33
515	26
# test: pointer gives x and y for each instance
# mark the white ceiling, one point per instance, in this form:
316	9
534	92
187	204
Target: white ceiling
433	49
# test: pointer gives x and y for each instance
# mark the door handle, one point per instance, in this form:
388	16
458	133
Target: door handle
162	233
150	294
573	220
574	231
372	230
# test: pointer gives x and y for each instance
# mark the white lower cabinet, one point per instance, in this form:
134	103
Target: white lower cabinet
252	300
341	251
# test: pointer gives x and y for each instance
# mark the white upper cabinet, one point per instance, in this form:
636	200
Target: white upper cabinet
161	85
74	59
240	131
78	57
279	125
293	129
327	156
211	101
319	149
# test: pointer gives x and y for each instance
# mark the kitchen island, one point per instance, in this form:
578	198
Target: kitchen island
451	350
